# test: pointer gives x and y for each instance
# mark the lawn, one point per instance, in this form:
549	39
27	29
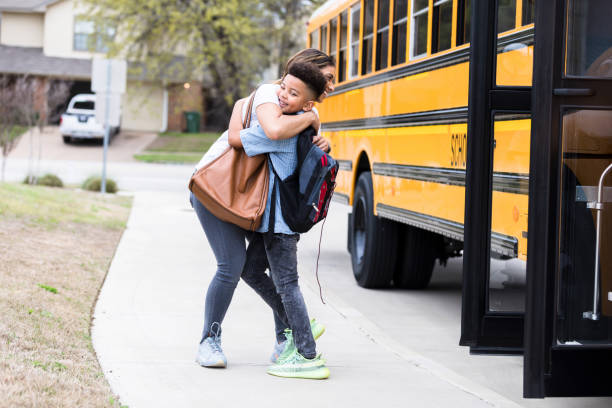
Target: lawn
16	131
56	247
174	147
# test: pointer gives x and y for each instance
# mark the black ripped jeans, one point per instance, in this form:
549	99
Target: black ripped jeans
279	251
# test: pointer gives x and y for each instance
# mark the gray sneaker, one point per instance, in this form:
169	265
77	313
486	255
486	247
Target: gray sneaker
210	353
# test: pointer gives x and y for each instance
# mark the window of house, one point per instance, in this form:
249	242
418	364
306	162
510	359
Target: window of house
382	34
324	38
442	23
368	36
88	38
333	37
418	40
400	19
463	22
528	12
314	39
343	46
354	40
506	15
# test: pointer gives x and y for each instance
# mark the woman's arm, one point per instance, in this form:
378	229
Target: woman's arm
235	125
278	126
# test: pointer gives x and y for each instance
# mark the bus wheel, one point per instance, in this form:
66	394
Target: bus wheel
418	255
372	239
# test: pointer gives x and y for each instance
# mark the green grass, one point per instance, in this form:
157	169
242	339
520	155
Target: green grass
177	158
175	147
17	131
182	142
48	288
48	207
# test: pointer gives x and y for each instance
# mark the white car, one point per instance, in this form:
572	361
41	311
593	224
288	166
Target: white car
79	120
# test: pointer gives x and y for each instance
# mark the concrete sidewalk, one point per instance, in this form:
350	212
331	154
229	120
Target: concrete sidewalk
148	320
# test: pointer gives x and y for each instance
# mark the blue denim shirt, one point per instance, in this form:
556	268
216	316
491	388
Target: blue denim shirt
283	154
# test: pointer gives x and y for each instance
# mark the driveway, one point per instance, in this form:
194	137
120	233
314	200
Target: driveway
122	148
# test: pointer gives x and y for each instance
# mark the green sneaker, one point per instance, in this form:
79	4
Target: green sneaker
286	348
297	366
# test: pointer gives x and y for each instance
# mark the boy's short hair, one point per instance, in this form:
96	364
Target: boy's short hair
311	75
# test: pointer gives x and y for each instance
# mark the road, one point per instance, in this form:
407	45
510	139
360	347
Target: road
426	322
75	162
409	323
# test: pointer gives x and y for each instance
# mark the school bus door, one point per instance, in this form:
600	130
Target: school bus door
568	314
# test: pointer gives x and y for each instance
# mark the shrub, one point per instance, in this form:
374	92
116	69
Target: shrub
49	180
95	183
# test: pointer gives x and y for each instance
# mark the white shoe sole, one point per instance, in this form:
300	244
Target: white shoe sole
218	364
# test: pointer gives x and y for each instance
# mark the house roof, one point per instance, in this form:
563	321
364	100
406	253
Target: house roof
26	6
32	61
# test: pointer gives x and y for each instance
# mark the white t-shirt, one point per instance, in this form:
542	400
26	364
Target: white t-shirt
266	93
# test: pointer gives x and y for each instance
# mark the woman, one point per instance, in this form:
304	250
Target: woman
227	240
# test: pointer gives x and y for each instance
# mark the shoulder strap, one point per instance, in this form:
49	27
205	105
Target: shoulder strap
275	178
247	119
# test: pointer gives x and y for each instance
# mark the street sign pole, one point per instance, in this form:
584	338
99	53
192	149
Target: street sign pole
106	127
108	81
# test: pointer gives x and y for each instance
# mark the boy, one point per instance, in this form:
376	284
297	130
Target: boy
298	91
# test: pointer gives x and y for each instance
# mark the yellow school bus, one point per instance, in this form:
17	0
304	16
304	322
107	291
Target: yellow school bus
397	122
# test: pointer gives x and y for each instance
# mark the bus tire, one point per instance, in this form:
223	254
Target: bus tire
419	250
373	239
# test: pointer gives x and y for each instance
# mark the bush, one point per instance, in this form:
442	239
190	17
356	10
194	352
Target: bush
49	180
95	183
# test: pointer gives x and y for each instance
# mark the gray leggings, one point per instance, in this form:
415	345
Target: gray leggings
228	244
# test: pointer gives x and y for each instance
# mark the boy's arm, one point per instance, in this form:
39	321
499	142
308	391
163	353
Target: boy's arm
254	141
278	126
235	125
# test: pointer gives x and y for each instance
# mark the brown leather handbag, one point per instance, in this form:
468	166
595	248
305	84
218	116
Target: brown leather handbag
234	186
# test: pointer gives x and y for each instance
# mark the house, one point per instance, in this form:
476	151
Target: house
50	41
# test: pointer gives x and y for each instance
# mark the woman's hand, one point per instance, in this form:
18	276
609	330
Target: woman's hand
322	143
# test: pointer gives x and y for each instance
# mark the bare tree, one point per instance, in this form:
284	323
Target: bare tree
56	92
11	98
24	95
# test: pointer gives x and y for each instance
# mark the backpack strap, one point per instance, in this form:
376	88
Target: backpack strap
271	220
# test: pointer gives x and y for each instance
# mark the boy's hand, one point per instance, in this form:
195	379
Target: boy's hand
321	142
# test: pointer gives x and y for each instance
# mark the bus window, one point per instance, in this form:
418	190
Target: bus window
314	39
506	15
400	18
589	39
441	29
418	40
368	35
324	38
333	35
354	50
514	64
342	52
528	12
463	22
382	35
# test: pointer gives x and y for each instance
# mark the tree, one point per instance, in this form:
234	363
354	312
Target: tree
20	111
15	93
225	43
290	30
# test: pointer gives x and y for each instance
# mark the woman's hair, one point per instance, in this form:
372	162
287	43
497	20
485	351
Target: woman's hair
313	56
